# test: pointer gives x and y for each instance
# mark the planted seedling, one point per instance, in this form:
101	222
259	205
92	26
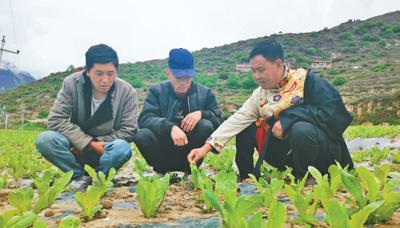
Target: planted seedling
151	192
234	213
89	202
21	199
99	179
305	205
47	194
70	221
268	190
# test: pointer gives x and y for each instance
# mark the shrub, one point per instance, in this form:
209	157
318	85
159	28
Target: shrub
339	81
43	113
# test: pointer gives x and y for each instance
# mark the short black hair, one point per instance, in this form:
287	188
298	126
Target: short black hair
102	54
269	49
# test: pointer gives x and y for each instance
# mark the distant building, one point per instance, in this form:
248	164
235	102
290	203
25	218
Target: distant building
242	68
321	64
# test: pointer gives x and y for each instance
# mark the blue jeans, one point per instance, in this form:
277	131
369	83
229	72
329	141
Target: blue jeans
55	147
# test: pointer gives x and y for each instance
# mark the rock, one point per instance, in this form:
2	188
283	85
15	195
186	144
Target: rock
101	214
107	204
49	213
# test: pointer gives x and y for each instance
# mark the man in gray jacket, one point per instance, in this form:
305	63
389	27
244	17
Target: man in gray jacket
92	120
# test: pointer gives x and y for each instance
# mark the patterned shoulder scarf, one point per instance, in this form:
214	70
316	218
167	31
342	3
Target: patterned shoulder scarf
291	89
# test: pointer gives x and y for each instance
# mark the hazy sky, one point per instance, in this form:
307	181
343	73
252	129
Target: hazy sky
53	34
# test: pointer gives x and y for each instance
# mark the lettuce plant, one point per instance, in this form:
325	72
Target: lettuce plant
269	191
234	213
47	194
99	179
305	204
151	192
197	174
27	219
70	221
21	199
89	202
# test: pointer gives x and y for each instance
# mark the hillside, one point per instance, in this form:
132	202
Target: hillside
365	59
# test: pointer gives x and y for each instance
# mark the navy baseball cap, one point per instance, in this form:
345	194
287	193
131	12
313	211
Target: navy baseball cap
181	63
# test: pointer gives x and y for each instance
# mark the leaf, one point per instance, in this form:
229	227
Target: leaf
336	214
25	220
246	205
336	180
206	185
369	183
302	203
70	221
354	188
44	183
140	164
99	179
6	216
390	205
382	172
21	199
358	219
151	193
89	202
256	221
322	181
196	175
39	223
277	214
226	185
213	201
50	195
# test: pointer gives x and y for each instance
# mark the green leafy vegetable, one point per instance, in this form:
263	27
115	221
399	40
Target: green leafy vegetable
151	192
233	213
269	191
99	180
47	194
21	199
305	205
89	202
70	221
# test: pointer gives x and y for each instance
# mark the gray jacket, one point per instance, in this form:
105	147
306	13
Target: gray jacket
70	98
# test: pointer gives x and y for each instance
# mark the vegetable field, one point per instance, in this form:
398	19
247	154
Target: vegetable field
34	193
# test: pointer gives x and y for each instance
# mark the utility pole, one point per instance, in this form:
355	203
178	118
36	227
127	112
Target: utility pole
2	49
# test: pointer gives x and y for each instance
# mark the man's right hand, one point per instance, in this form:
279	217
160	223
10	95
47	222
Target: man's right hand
97	146
199	153
178	136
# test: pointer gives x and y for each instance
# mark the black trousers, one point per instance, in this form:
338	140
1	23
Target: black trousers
161	153
306	145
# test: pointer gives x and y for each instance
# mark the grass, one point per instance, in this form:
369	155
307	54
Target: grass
372	131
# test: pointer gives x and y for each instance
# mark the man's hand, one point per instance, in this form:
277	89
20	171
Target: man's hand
74	150
178	136
199	153
97	146
277	130
190	121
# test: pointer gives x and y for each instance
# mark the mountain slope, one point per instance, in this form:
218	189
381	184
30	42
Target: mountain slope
365	58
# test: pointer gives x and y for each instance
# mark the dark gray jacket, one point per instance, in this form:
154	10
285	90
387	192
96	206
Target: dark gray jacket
160	106
123	124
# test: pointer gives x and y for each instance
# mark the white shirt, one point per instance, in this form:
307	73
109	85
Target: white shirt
96	103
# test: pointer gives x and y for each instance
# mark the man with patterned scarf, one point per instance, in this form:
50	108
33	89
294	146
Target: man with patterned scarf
295	118
93	119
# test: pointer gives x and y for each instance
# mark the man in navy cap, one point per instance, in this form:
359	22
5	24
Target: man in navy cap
178	116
